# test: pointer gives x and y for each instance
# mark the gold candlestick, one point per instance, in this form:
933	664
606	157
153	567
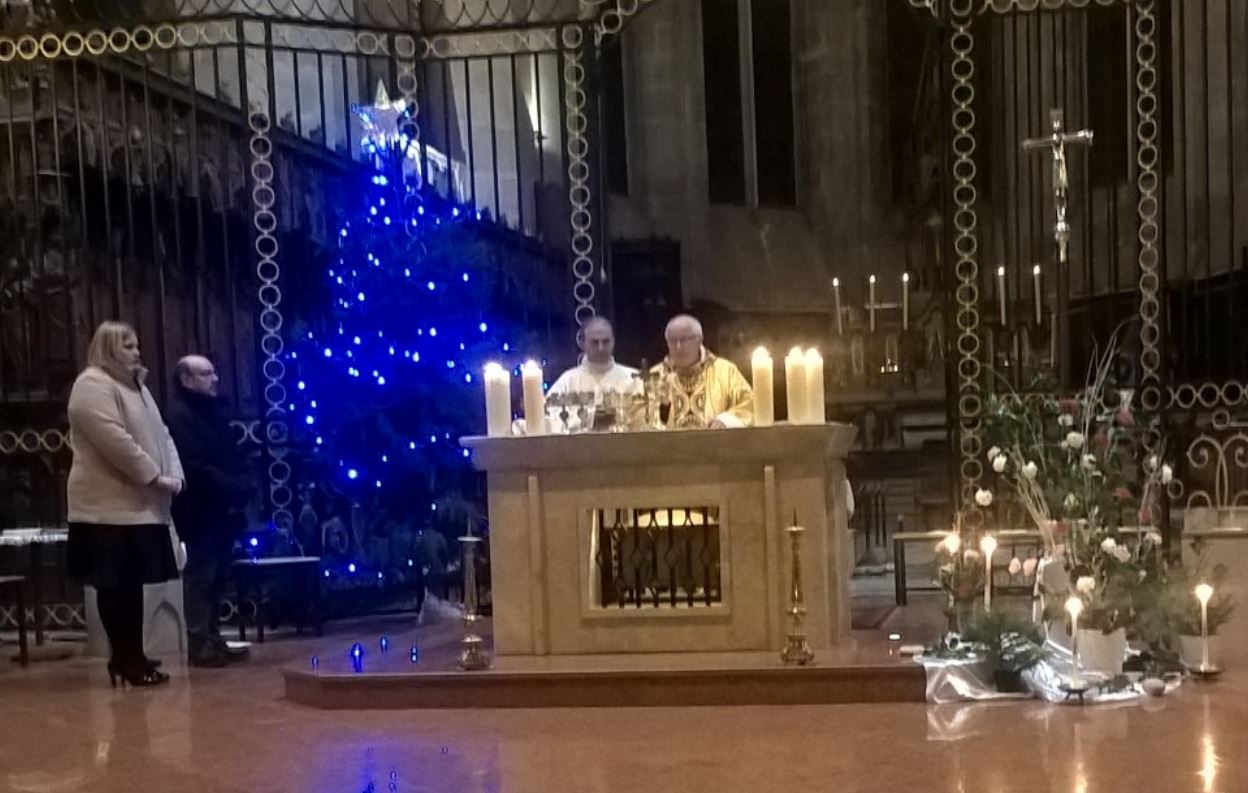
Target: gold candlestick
472	656
796	650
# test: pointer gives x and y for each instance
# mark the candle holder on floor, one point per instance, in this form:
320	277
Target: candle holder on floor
796	650
472	656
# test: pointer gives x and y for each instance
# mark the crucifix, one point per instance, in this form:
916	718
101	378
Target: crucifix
1055	144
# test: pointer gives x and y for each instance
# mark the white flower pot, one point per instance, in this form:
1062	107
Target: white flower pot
1101	652
1190	650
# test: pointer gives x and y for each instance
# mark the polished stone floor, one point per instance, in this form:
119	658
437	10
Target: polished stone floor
63	729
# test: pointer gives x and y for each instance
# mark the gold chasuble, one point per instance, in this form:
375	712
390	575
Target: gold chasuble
712	389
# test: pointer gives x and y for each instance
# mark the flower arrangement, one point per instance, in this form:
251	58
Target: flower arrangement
960	570
1079	467
1075	458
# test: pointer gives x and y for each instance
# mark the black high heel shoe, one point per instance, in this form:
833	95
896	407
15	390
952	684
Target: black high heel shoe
143	677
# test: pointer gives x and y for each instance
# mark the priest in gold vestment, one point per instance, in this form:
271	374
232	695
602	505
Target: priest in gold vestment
703	390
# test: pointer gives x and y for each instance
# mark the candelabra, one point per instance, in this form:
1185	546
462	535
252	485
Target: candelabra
796	649
472	656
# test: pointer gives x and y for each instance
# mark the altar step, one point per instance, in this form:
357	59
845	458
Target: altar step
869	670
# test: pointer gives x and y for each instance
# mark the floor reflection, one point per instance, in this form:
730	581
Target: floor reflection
228	731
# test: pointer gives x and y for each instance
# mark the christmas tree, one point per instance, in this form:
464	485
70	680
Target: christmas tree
419	296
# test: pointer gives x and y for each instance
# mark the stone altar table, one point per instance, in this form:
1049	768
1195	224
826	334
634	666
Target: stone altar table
665	541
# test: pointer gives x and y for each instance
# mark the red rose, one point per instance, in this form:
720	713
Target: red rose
1101	440
1068	405
1122	494
1145	516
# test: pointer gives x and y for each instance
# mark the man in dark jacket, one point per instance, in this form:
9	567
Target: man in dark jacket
209	512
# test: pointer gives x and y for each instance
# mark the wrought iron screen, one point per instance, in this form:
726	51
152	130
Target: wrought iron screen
174	164
656	558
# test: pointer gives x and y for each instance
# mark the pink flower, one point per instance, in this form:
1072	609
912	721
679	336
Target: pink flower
1029	567
1101	439
1068	405
1123	417
1122	494
1061	528
1145	516
1016	566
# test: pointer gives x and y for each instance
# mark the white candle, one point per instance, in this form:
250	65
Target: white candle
1036	293
871	301
534	399
1001	296
795	385
1053	337
1074	606
905	301
764	388
1203	593
497	400
836	297
989	546
815	409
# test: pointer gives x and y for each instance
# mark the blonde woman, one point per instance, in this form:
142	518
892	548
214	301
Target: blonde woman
124	475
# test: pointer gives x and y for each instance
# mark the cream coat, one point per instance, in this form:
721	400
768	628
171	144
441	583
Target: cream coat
120	445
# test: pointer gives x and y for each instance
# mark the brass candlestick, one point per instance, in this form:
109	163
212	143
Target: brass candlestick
472	656
796	649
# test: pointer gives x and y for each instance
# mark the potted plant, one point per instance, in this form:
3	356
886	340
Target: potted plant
1181	610
1010	644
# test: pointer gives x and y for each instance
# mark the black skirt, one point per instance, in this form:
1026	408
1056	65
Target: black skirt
105	556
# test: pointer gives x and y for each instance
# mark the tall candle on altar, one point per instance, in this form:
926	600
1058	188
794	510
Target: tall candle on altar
1036	293
1053	337
534	399
871	301
1001	296
795	385
836	299
815	409
905	301
764	388
497	400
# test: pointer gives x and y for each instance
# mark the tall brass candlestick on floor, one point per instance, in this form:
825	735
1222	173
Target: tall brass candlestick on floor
796	650
472	657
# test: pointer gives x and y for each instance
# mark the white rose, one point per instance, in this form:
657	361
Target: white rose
983	497
1122	553
970	556
1063	445
1066	420
1152	538
1016	566
1071	501
1151	463
1074	440
1108	544
1089	462
998	464
1030	470
993	452
1167	474
1085	584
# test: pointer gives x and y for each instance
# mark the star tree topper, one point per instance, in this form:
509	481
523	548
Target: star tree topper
381	122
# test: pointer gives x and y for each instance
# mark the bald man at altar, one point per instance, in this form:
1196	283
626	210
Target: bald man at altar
704	390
